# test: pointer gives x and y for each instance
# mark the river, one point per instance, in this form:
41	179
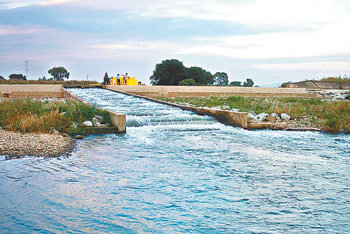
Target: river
175	171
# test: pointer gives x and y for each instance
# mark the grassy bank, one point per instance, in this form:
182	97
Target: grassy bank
27	115
332	116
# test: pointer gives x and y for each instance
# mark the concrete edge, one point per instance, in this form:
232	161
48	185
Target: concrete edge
118	120
239	119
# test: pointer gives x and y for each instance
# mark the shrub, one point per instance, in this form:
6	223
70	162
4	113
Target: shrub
187	82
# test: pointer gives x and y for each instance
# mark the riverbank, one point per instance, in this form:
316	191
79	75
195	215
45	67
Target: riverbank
45	127
14	144
280	113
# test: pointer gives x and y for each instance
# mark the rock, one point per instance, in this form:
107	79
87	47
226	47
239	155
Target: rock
95	121
79	137
285	116
100	118
97	124
88	124
75	124
276	116
262	116
252	116
216	108
235	110
226	108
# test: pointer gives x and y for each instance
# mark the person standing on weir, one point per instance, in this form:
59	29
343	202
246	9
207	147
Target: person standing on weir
118	79
106	79
126	77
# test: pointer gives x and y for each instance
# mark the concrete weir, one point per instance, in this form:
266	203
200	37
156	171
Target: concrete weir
224	116
227	117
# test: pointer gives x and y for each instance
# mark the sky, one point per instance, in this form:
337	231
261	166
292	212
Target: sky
269	41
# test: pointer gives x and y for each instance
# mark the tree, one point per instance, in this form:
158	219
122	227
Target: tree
220	78
248	83
59	73
187	82
2	78
169	72
200	76
236	83
17	77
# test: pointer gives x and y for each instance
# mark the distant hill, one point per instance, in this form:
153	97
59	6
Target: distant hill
2	78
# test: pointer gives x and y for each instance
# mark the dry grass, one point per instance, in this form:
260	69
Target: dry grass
27	115
333	116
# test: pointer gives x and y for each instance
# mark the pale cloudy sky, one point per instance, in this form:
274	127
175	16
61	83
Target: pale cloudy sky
270	41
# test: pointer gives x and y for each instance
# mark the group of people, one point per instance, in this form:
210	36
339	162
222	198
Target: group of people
107	80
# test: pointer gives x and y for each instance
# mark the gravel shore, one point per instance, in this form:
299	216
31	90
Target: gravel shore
18	144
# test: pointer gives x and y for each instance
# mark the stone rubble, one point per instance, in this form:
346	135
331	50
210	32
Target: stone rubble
33	144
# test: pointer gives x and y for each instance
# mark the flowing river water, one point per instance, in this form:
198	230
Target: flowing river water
175	171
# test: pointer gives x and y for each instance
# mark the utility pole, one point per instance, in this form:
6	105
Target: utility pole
26	68
87	77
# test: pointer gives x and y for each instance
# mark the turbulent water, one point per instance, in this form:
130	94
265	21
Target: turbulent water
175	171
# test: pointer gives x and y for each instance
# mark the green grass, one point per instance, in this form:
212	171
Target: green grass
333	116
27	115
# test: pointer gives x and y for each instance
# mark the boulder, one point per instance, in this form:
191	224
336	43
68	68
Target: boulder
95	121
100	118
235	110
285	116
87	124
262	116
252	116
226	108
276	116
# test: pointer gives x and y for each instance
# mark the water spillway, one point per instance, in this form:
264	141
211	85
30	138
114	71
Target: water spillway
175	171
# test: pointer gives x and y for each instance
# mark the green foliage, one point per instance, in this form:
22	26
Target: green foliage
59	73
248	83
17	77
236	83
169	72
187	82
200	76
27	115
220	78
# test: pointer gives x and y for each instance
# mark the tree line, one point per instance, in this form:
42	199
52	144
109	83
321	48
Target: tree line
57	73
173	72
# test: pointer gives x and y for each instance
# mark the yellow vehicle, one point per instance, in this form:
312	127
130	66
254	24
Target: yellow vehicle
129	81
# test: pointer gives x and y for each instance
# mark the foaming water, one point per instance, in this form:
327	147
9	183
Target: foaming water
175	171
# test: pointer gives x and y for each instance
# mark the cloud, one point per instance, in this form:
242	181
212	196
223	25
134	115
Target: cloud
54	2
326	65
12	30
10	4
